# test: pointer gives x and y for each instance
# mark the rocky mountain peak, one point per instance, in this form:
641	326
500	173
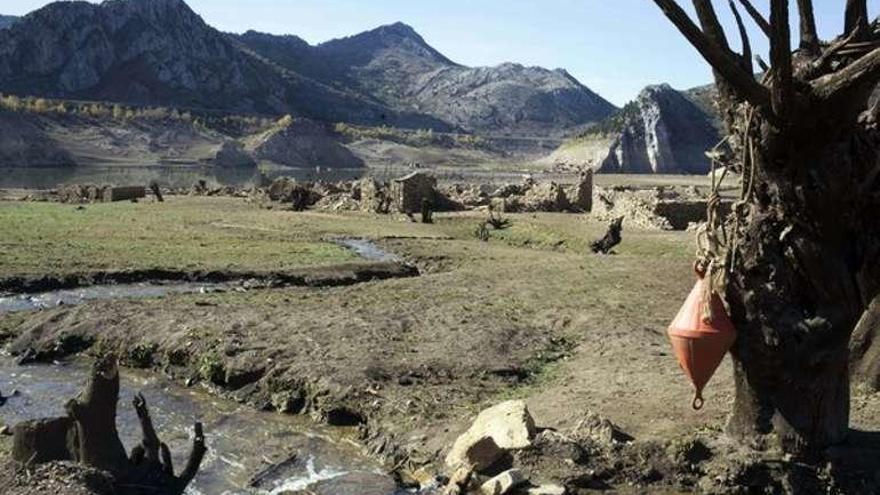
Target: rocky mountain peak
7	21
662	131
160	52
398	39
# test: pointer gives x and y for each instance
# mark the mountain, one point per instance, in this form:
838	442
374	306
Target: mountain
394	66
156	52
662	132
160	52
7	20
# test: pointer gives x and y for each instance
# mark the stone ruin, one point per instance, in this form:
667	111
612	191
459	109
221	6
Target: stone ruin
90	193
654	208
408	193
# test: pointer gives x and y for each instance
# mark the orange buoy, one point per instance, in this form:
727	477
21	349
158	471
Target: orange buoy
700	342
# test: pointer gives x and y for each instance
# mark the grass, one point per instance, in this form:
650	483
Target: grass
531	298
231	234
190	234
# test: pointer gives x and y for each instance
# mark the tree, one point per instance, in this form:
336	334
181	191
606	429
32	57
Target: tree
801	255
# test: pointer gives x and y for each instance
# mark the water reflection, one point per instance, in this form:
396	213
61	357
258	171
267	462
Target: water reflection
173	177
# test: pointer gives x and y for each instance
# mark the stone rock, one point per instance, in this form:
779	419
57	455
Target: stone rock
503	483
546	490
497	430
232	154
600	430
286	190
581	195
374	196
548	196
662	132
407	193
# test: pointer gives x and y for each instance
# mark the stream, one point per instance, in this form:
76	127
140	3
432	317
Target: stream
365	249
249	452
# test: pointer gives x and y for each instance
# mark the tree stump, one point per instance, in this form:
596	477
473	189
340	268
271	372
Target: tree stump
88	436
611	239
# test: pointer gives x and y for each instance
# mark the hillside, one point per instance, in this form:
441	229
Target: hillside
160	52
7	20
661	131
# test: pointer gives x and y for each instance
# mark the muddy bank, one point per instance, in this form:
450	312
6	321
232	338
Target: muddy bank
330	276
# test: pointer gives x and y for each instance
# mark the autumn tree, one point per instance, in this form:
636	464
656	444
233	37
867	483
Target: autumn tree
801	254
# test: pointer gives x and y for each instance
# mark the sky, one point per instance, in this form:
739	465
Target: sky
615	47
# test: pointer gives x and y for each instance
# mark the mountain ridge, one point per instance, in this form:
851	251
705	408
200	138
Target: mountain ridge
161	52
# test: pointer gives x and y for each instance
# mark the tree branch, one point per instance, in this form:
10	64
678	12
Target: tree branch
863	72
744	38
809	36
710	24
756	16
742	82
195	458
150	439
780	58
856	16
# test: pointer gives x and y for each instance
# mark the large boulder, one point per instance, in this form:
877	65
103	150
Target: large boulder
408	193
496	431
286	190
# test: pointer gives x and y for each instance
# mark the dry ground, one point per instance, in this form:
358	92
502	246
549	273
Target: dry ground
529	315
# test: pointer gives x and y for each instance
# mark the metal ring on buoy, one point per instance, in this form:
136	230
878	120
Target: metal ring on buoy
699	269
698	402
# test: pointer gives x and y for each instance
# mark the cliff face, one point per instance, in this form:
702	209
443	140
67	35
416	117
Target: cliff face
662	132
160	52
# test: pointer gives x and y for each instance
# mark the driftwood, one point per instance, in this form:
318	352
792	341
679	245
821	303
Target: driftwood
611	238
88	435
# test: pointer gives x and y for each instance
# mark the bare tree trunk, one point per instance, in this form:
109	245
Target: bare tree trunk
801	262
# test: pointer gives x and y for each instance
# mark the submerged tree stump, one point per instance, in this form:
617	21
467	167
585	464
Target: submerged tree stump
611	239
88	435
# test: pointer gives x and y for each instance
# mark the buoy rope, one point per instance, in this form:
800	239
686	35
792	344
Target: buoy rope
715	245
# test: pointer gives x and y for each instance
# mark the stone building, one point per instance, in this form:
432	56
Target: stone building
407	193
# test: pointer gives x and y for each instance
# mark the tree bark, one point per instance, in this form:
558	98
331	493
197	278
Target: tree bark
802	262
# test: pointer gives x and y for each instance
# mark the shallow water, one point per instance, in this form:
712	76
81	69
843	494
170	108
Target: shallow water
31	302
368	250
291	452
167	176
